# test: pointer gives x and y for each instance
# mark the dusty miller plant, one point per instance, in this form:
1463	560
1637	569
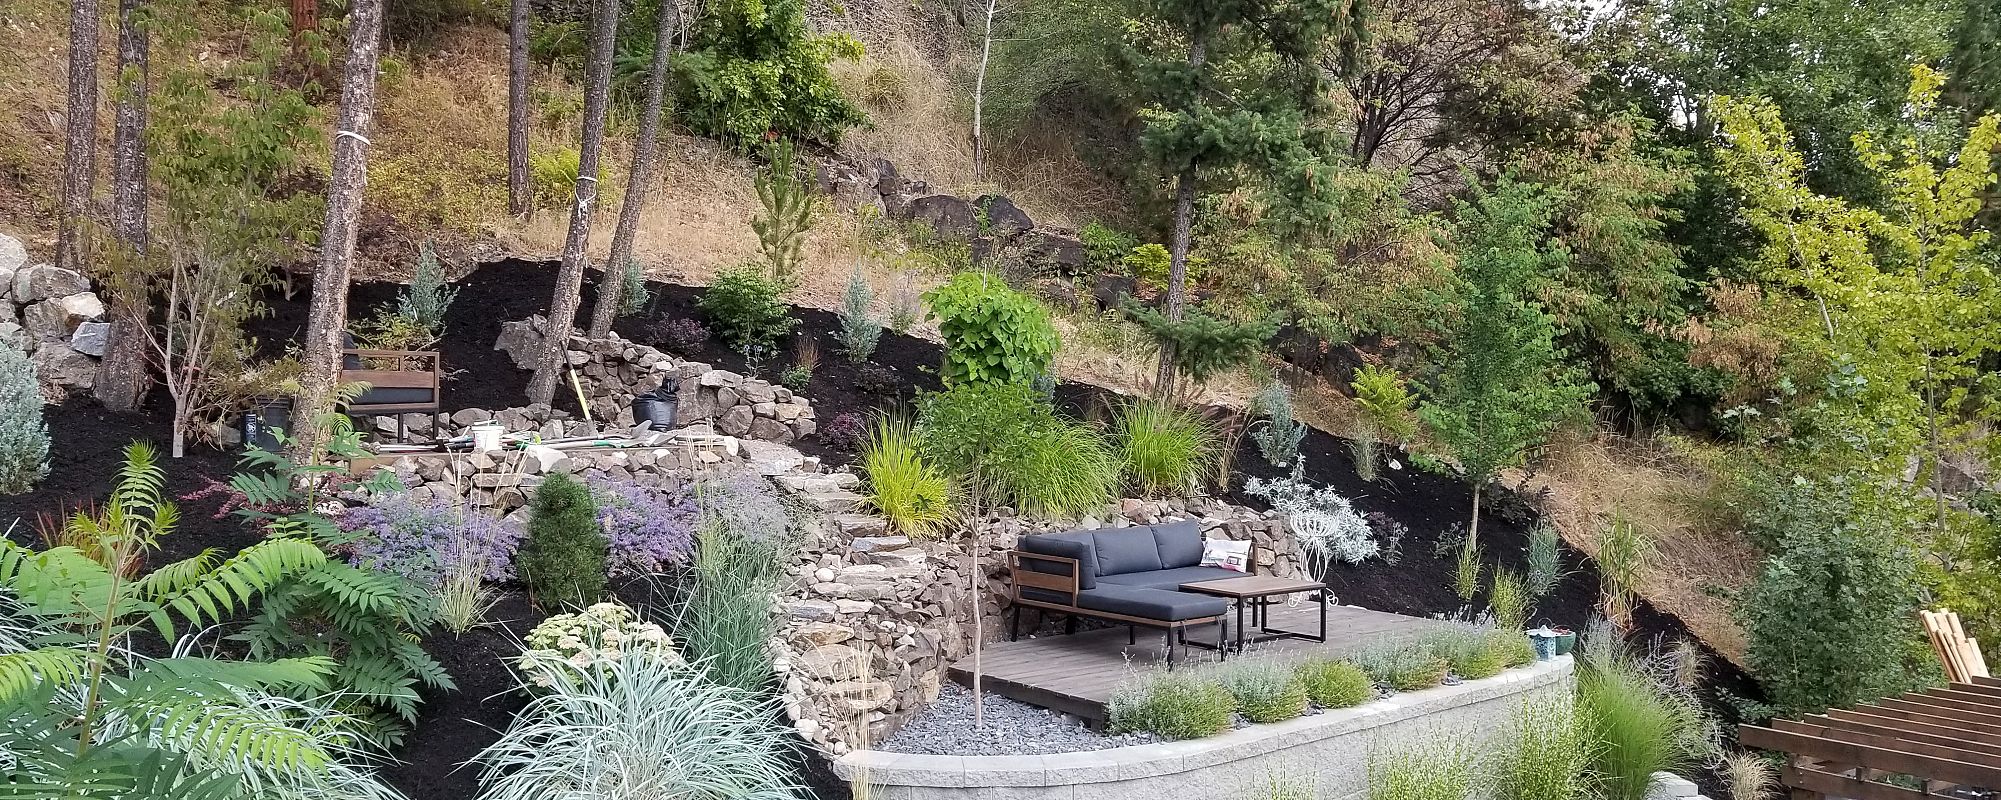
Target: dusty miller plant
1326	524
860	331
24	437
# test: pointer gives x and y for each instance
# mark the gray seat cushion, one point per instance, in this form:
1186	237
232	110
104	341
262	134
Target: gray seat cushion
1075	544
395	396
1169	579
1179	543
1155	604
1125	551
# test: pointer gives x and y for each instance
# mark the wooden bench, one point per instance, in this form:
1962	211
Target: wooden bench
399	382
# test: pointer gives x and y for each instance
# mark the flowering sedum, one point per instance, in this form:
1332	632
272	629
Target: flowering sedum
603	633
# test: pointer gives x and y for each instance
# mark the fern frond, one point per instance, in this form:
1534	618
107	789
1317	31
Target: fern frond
60	583
231	585
53	666
308	674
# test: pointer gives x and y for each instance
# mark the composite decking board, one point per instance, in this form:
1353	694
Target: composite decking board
1077	673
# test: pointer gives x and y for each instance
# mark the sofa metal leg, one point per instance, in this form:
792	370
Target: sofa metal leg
1170	649
1014	626
1222	636
1070	625
1132	634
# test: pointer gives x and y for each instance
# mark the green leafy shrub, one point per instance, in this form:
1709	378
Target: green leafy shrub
1639	729
1204	345
755	67
563	559
1008	445
1509	599
1832	616
1264	690
993	334
24	437
743	306
1541	753
1439	770
1335	684
1105	248
1404	667
1468	651
1171	706
860	330
654	725
914	495
1150	263
1166	450
1278	435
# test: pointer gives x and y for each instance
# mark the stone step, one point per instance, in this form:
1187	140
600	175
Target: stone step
835	501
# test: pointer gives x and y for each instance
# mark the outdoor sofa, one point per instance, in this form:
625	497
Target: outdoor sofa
1123	575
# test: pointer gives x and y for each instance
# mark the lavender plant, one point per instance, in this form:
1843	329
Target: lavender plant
647	529
745	504
427	540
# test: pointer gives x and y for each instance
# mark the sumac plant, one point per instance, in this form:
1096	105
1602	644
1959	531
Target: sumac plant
993	334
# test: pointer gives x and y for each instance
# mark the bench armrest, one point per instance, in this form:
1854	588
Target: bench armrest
1021	576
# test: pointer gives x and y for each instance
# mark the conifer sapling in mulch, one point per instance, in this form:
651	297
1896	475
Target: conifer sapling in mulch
563	560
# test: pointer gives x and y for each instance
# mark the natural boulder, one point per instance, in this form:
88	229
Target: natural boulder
61	368
950	216
43	281
90	338
1004	218
55	320
12	258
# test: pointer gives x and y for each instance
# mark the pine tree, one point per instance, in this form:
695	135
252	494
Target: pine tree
124	375
570	278
24	438
327	317
613	294
1502	384
518	190
563	560
80	142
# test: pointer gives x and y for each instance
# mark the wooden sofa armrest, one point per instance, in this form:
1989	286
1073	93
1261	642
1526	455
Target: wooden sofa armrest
1021	576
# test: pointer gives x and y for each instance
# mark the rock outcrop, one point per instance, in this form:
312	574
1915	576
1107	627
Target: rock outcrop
51	314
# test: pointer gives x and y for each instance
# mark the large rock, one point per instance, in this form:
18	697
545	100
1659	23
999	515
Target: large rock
12	258
521	341
59	366
735	422
952	217
43	281
1004	218
55	320
1054	250
90	338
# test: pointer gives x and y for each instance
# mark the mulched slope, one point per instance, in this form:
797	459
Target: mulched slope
88	442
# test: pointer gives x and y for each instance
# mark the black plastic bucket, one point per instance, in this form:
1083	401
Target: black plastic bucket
265	414
656	407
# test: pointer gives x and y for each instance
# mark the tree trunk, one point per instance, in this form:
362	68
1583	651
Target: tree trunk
518	200
1473	528
124	376
979	635
1177	273
979	97
570	279
327	316
639	184
80	146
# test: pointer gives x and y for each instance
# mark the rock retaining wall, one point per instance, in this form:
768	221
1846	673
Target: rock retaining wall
52	315
872	620
1327	751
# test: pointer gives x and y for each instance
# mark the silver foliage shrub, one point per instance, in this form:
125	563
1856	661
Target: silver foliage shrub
24	438
860	331
1278	436
427	298
1324	522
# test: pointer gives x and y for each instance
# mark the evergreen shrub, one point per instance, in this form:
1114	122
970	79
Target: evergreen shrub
563	560
24	437
743	306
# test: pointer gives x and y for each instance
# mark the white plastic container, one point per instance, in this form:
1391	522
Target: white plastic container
485	436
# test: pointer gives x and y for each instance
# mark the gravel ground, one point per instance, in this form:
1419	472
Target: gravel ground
1013	729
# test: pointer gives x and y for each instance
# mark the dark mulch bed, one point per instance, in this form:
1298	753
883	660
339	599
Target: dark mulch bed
88	442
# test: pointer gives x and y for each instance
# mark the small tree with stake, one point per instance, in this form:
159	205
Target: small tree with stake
1502	384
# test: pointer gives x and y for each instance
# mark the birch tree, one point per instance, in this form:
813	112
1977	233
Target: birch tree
327	317
123	376
518	200
80	126
570	279
639	184
980	96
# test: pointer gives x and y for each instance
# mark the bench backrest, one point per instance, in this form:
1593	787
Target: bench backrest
1119	551
398	380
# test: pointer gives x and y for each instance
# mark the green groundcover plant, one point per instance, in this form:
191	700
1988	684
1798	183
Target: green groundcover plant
1171	706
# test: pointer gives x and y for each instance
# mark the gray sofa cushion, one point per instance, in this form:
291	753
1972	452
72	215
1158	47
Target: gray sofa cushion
1169	579
1126	550
1075	544
1165	606
1179	543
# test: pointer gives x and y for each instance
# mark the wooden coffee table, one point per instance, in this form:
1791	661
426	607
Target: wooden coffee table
1257	591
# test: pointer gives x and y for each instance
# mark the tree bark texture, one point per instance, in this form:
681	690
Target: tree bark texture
1184	227
123	376
80	146
327	316
639	184
519	200
570	279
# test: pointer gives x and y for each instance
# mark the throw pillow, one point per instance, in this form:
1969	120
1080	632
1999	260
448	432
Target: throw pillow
1230	555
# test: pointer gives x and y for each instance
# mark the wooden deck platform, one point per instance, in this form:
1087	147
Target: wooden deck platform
1076	674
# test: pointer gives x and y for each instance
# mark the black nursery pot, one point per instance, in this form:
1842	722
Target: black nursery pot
656	407
265	414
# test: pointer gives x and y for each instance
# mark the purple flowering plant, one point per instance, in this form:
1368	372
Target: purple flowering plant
648	529
427	540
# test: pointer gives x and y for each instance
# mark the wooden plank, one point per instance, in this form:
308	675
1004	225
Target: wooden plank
1836	732
1889	730
1984	680
1978	703
1981	689
1833	785
1926	705
1916	764
1920	723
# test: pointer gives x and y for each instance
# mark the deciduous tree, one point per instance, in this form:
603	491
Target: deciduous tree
570	279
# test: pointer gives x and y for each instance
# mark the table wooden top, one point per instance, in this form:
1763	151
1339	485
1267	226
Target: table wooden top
1253	586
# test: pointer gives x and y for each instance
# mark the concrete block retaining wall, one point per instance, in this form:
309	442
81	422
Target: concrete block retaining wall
1331	748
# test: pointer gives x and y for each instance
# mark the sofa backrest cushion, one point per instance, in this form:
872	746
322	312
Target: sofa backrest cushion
1126	550
1075	544
1179	543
